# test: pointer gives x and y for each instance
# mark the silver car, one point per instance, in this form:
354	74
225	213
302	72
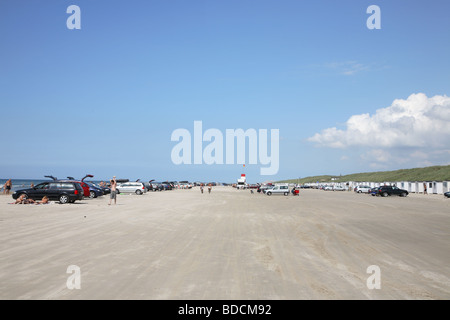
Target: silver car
131	187
278	190
362	189
339	188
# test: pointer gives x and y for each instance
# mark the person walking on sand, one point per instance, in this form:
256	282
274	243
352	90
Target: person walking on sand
201	188
113	194
425	188
8	186
209	188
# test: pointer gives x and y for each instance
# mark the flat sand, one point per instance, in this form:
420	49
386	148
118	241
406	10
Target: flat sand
229	244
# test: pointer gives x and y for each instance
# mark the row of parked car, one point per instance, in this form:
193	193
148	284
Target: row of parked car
334	188
70	190
383	191
138	187
64	190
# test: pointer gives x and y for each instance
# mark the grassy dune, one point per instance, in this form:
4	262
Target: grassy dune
434	173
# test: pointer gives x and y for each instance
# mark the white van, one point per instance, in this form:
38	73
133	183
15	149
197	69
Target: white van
279	189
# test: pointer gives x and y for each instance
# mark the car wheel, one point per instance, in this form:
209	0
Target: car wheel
403	194
385	194
269	193
286	193
64	198
138	192
359	191
92	195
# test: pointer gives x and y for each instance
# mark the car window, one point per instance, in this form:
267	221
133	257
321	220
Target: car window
54	186
41	186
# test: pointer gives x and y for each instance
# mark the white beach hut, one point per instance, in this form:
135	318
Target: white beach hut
445	186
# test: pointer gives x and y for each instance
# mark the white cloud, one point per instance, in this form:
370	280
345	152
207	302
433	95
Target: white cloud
418	121
415	131
377	155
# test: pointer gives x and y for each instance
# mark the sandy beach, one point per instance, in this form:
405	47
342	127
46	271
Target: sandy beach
229	244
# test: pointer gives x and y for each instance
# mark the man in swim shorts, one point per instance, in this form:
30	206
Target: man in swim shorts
113	194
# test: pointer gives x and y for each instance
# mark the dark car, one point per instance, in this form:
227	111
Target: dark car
373	191
166	186
157	186
84	186
104	188
64	192
94	191
447	194
385	191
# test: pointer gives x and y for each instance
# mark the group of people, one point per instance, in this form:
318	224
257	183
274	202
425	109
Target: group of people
24	200
209	188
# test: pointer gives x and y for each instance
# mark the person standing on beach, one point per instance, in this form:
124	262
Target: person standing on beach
8	186
113	194
425	188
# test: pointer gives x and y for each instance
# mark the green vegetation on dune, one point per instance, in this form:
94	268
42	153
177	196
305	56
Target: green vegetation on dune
435	173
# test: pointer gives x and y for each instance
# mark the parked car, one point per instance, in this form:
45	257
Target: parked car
105	189
185	185
328	188
86	189
94	191
278	190
362	189
385	191
339	188
147	186
157	186
166	186
131	187
373	190
447	194
64	192
265	188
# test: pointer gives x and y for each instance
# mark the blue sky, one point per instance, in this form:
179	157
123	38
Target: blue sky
105	99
